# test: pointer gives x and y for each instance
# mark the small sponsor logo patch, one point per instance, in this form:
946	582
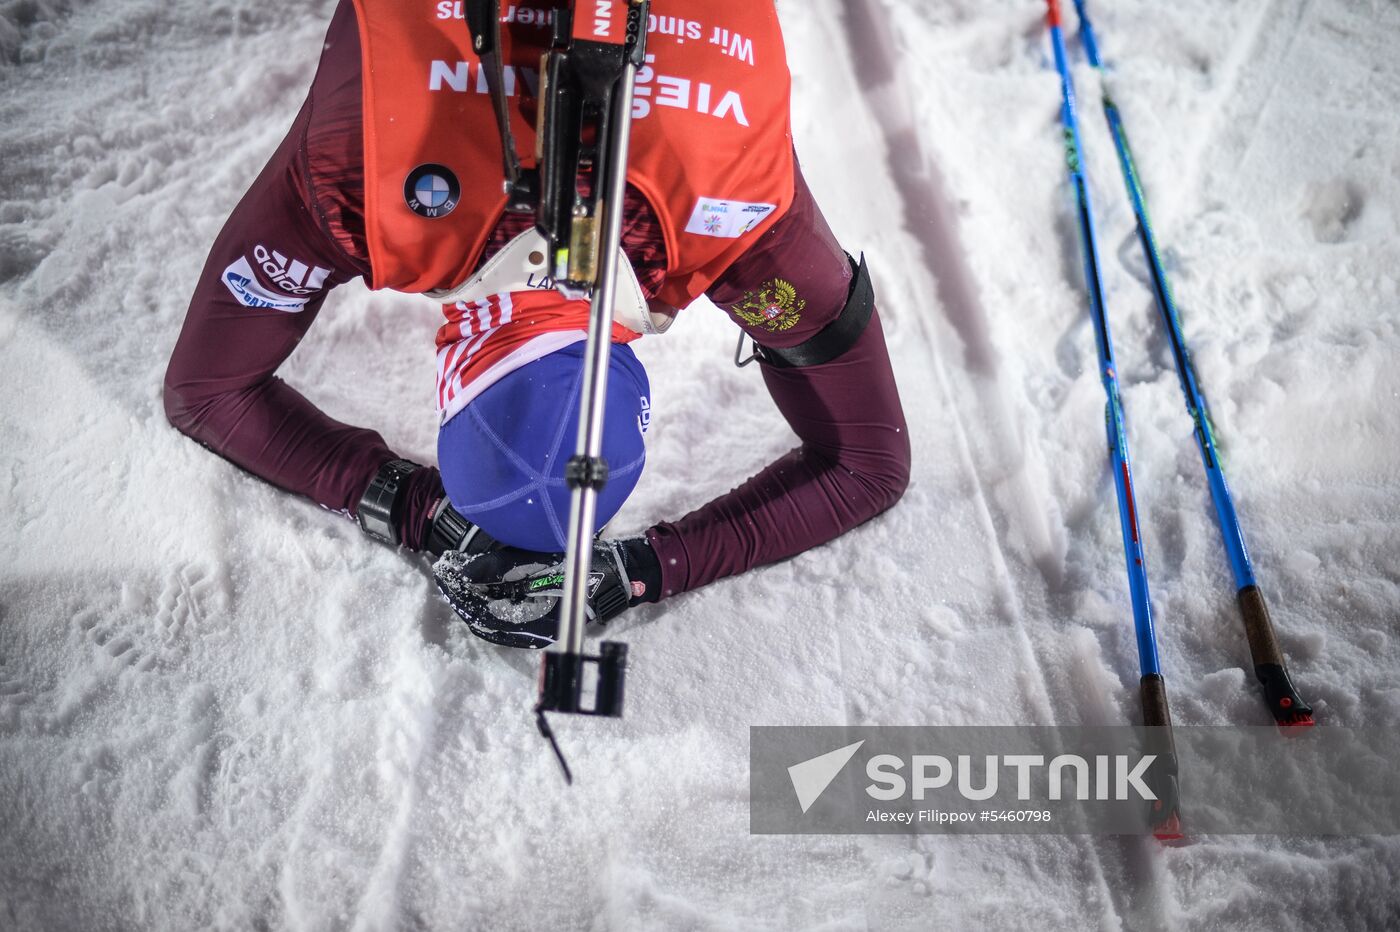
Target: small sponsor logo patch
547	582
431	191
726	219
241	281
594	581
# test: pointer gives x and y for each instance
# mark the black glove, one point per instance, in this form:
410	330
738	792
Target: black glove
511	597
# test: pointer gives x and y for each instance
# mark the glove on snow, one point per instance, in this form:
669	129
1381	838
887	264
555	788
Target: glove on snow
511	597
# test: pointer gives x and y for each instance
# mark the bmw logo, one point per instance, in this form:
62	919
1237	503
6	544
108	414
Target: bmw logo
431	191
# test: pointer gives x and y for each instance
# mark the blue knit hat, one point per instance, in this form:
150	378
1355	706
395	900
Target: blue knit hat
502	457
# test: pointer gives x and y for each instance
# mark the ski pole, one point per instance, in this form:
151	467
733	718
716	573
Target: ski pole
588	81
1287	706
612	56
1152	688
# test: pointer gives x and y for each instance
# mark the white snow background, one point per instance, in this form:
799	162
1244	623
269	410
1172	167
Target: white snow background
223	707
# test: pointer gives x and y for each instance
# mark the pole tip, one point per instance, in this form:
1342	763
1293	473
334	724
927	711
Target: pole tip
1169	829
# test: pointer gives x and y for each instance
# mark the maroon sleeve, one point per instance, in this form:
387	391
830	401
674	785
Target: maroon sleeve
853	462
296	234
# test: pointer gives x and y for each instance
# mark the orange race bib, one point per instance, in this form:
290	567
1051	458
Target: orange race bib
711	141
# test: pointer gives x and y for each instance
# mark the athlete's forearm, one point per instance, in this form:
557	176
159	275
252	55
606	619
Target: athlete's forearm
852	465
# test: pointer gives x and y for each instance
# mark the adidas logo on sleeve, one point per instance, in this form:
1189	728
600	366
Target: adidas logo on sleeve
291	281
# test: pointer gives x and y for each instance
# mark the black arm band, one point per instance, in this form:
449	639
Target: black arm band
382	504
836	337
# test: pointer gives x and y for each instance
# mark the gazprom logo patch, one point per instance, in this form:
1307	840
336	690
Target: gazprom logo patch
431	191
243	284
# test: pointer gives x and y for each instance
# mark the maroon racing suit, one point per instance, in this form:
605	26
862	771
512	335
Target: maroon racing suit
304	214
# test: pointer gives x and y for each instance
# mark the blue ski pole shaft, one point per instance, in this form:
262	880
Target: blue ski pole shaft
1152	686
1284	702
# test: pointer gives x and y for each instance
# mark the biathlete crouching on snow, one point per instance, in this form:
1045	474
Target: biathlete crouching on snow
392	172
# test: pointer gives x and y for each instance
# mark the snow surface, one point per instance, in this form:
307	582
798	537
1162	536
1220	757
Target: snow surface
221	707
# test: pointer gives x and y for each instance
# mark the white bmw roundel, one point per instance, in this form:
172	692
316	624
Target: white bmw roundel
431	190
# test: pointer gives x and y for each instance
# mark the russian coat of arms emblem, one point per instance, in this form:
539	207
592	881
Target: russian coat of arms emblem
775	306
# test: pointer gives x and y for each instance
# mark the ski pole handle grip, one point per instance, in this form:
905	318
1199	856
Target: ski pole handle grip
1052	13
1157	717
1282	696
1258	627
1164	813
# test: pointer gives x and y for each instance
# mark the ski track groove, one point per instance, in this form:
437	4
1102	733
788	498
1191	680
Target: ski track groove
416	698
1267	103
890	110
1244	50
